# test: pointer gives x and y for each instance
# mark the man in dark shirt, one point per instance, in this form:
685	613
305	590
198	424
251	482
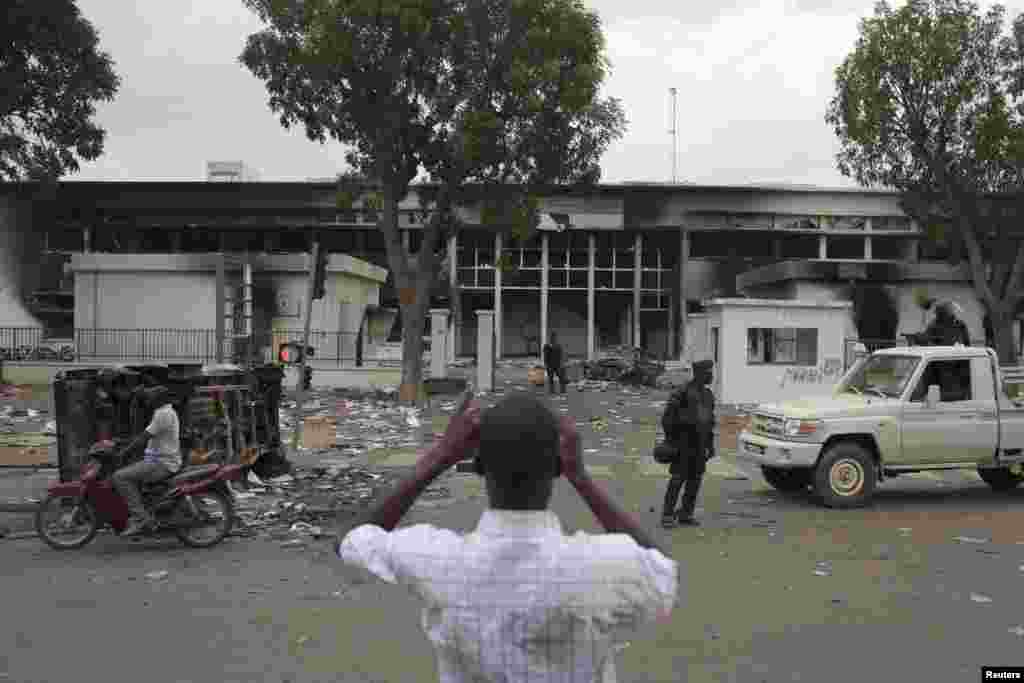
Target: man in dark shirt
553	364
689	423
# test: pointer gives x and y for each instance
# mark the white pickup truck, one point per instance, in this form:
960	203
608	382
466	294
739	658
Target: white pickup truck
897	411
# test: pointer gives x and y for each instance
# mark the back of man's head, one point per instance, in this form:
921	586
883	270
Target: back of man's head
519	439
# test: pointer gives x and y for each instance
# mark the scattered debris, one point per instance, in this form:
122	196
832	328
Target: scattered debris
904	531
978	597
969	539
823	569
158	575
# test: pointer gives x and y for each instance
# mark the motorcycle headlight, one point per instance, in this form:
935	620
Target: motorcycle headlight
800	427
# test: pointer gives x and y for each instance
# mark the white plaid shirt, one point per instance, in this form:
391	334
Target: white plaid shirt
517	599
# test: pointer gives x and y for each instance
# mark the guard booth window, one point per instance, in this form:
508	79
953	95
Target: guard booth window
953	378
782	346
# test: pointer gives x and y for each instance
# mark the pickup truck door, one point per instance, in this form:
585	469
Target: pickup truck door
963	427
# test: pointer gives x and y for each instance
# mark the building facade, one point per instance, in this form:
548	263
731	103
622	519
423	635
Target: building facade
613	265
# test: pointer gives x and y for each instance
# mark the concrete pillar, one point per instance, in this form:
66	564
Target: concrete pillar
867	240
671	326
454	322
87	239
484	351
822	247
638	245
684	260
498	327
543	292
438	342
591	286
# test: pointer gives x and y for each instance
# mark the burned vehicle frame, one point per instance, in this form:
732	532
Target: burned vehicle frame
228	414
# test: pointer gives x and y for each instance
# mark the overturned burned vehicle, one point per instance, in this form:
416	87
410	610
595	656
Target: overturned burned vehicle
625	365
227	414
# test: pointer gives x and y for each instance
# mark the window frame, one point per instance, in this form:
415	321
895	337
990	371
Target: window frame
799	337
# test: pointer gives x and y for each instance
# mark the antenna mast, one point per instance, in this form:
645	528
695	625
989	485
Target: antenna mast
674	133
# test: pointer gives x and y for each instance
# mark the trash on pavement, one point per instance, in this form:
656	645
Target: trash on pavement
978	597
969	539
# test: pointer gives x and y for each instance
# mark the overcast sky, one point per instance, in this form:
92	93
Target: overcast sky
753	79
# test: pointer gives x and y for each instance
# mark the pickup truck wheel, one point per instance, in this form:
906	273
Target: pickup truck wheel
787	480
845	476
1000	478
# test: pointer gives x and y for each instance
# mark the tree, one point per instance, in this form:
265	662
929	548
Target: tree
489	99
51	76
929	103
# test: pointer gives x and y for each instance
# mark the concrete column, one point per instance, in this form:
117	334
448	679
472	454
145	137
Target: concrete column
87	239
867	240
822	247
684	260
485	351
544	264
671	326
454	322
638	245
438	342
591	285
498	327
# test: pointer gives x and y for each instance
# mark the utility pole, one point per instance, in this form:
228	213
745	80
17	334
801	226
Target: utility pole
300	394
674	133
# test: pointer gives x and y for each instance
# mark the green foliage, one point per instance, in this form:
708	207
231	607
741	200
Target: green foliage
51	75
475	91
931	103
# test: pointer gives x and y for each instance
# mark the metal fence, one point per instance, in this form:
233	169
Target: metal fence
32	344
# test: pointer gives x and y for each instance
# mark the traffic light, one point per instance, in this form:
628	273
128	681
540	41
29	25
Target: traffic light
291	353
320	274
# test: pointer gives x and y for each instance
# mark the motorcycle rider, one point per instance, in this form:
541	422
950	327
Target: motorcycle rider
162	458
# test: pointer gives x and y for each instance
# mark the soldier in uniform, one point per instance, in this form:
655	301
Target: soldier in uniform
688	422
946	329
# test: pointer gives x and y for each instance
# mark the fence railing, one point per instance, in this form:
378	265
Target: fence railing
171	345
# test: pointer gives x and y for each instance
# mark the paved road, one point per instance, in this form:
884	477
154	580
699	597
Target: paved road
896	598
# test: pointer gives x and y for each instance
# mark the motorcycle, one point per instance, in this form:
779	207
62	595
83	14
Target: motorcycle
178	504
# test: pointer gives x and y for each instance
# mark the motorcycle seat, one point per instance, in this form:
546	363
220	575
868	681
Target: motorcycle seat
190	473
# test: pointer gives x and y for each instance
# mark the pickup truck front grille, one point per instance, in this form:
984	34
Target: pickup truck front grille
767	424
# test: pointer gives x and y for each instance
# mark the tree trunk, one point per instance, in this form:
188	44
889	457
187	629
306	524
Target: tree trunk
1002	331
414	316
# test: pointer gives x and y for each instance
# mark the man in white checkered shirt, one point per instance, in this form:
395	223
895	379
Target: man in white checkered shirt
517	599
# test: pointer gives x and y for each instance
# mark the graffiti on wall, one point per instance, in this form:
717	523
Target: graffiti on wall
827	372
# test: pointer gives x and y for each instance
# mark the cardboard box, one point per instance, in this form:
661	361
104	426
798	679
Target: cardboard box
25	456
319	432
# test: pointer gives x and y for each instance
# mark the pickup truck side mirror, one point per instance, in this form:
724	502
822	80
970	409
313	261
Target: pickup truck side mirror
934	396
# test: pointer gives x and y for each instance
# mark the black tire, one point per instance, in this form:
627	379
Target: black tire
186	534
85	512
1000	479
787	480
845	476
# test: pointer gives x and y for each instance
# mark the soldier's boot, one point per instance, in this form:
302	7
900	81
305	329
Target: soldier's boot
668	519
689	503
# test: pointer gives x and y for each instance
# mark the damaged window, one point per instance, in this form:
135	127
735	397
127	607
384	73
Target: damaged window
782	346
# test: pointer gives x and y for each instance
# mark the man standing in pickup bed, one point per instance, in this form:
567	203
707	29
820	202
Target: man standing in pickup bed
553	363
689	423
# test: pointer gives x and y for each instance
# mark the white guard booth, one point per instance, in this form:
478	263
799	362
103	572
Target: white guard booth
769	350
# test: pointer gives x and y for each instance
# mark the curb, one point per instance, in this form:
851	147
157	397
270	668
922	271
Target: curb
19	507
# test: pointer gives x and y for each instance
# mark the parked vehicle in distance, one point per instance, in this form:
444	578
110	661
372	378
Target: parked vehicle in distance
898	411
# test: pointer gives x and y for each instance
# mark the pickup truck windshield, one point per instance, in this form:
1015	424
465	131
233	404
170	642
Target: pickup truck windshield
885	376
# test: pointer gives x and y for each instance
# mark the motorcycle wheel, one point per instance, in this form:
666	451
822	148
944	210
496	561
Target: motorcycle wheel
214	507
79	511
